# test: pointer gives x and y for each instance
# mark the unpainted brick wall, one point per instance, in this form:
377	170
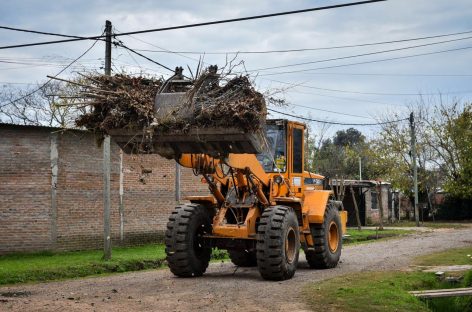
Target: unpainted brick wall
32	219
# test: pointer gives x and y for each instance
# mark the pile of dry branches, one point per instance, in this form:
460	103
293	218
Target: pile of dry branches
235	104
126	102
119	101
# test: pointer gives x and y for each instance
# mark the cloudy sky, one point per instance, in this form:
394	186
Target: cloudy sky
326	89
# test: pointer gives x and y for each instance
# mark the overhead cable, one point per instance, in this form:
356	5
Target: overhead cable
359	55
336	123
309	49
365	62
232	20
50	79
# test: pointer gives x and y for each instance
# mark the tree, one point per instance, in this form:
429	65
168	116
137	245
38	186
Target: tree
44	107
458	131
339	156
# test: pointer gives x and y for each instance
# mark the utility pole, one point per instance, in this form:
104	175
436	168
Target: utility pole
360	168
106	159
415	169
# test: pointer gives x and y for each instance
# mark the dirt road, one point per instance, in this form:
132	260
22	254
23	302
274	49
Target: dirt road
223	287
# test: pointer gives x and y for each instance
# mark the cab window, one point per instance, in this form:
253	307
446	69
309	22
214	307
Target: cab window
273	159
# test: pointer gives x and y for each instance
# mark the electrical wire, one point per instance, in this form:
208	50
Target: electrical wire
162	49
50	79
120	44
366	62
303	85
334	122
329	111
309	49
232	20
392	75
359	55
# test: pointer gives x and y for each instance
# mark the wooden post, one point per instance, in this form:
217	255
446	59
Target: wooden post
358	219
379	202
415	169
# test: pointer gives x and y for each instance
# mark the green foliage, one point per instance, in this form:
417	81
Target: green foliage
356	236
457	256
42	266
370	291
340	155
459	132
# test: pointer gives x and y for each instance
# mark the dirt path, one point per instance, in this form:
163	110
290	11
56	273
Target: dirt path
223	288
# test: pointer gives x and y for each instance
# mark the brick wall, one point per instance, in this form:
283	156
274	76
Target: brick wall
46	209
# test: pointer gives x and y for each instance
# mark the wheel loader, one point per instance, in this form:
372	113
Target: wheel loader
263	206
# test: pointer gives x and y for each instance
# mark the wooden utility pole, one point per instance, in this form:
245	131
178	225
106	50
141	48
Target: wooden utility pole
106	159
358	219
380	204
415	169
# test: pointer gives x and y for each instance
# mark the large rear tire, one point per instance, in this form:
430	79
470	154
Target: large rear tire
278	243
243	258
327	237
186	254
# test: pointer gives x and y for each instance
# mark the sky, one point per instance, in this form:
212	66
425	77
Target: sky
344	92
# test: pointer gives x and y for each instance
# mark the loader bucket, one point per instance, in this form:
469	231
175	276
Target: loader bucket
214	141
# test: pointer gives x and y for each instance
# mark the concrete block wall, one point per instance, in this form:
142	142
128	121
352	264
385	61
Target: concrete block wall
51	194
373	215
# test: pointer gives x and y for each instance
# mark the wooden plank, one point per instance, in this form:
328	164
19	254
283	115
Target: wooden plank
438	293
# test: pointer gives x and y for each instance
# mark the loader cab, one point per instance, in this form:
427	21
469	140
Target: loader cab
284	152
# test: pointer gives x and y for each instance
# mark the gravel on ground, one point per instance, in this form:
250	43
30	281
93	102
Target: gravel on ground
224	287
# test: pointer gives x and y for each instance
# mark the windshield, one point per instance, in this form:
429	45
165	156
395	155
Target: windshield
273	159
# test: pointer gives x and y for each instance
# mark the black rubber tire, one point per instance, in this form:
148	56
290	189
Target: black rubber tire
322	257
277	223
243	258
186	256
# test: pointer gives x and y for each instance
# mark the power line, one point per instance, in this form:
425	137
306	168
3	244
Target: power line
50	79
388	75
143	56
329	111
240	19
46	33
336	123
360	55
359	92
162	49
308	49
365	62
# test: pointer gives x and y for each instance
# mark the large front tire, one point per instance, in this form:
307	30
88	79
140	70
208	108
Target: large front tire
327	237
186	254
278	243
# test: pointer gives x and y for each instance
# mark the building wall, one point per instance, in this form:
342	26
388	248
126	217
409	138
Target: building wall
25	184
373	214
51	195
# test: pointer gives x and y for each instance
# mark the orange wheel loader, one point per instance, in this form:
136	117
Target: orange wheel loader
263	205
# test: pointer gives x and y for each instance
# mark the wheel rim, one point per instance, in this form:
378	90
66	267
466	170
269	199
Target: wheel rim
333	236
290	246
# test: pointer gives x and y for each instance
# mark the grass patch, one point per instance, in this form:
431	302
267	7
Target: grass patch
388	291
371	291
430	224
356	236
382	291
457	256
46	266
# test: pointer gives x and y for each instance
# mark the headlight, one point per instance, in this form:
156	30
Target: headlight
278	179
